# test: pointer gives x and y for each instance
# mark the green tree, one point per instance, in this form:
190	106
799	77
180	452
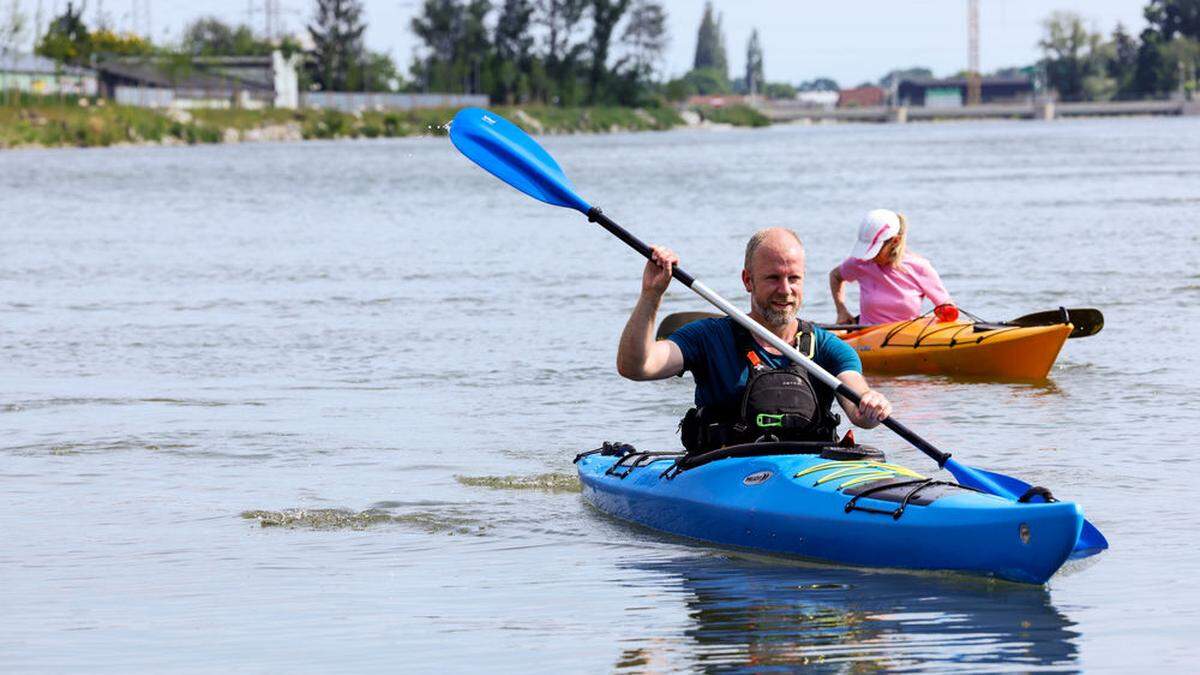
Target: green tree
1185	53
474	46
1070	53
1154	74
754	65
1098	85
705	82
646	36
1122	64
513	41
779	90
104	41
67	39
374	71
913	73
210	36
605	16
819	84
710	67
1173	18
438	26
207	36
1165	54
458	46
336	34
708	40
563	82
721	58
560	19
513	44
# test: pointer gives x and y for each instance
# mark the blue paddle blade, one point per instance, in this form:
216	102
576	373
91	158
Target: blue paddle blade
508	153
1090	540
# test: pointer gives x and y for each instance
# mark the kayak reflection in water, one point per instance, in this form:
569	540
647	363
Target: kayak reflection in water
747	391
748	614
892	280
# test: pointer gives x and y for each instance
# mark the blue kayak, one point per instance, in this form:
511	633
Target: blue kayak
842	505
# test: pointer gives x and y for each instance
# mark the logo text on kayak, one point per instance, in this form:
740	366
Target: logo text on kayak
757	478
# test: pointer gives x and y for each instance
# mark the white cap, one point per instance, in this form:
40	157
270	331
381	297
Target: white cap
877	227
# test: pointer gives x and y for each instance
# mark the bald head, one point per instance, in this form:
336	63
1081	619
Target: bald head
776	242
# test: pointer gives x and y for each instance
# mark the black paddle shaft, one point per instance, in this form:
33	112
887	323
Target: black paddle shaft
595	215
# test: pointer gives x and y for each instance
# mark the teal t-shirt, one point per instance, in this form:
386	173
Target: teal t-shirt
710	352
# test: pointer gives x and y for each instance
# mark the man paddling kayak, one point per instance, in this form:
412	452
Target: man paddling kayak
745	390
892	280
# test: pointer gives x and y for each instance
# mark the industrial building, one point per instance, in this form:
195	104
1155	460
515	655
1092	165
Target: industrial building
953	92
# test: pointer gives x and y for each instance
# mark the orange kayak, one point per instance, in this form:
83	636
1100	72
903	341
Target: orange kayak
926	346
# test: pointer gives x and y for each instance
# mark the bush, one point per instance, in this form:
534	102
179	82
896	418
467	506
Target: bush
737	115
707	82
392	126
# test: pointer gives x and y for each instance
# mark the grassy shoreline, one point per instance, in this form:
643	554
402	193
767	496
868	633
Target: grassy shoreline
44	123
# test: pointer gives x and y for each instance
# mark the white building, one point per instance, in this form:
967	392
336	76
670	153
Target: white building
45	77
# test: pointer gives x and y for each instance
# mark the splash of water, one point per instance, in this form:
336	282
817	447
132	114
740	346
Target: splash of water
546	482
345	519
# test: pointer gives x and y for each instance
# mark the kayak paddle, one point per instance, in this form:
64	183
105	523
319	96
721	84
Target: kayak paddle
504	150
678	320
1086	321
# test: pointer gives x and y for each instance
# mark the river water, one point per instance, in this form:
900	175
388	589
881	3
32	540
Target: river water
313	406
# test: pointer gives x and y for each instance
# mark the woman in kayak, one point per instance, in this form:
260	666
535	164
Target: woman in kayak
892	280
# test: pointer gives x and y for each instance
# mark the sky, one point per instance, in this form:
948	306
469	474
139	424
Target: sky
851	41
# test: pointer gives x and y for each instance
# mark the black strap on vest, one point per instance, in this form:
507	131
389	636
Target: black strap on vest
729	422
805	342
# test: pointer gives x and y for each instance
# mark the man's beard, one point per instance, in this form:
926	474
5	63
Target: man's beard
779	317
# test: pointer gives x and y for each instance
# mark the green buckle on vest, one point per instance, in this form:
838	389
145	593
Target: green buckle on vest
765	420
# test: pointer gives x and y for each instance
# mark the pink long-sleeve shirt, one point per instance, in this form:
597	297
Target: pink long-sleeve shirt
887	294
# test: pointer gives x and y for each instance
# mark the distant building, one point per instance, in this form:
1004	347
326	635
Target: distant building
819	99
952	92
278	72
203	82
860	97
40	75
717	100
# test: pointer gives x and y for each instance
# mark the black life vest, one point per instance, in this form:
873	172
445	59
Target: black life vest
778	404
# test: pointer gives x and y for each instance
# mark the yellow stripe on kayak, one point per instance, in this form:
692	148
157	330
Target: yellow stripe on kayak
858	472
